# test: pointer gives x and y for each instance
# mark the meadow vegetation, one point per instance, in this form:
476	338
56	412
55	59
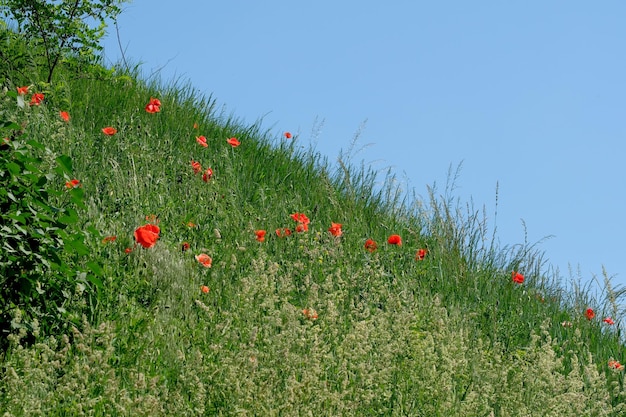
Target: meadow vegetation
153	266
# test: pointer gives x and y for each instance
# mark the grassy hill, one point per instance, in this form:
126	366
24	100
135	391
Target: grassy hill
310	318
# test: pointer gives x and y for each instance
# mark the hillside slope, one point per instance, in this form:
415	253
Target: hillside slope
400	310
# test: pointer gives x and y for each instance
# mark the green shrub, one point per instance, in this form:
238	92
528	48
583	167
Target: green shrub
40	233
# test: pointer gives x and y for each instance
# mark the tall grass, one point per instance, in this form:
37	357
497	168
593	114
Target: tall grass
306	324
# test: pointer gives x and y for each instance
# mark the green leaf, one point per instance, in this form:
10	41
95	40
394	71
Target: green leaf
36	145
14	168
96	269
11	125
77	197
65	163
77	246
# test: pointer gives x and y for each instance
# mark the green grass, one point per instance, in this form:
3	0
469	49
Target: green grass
448	335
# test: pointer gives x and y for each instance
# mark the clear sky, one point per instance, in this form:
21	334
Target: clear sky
528	95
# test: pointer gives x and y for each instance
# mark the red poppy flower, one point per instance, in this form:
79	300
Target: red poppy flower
36	99
370	245
207	175
72	184
421	254
589	313
233	142
185	246
303	222
283	232
517	277
310	313
22	90
395	240
300	218
109	239
260	235
196	166
147	235
288	135
335	229
202	141
609	321
154	106
195	125
205	289
109	131
64	115
613	364
205	260
128	250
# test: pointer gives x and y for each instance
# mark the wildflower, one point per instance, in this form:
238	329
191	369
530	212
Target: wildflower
36	99
72	183
395	240
335	229
191	225
204	289
613	364
109	131
128	250
185	246
283	232
589	313
147	235
195	125
303	222
609	321
288	135
421	254
64	115
566	324
22	90
300	218
370	245
109	239
201	141
517	277
310	313
205	260
260	235
154	106
196	166
233	142
207	175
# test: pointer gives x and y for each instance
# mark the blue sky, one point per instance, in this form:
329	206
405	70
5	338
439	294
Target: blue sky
527	95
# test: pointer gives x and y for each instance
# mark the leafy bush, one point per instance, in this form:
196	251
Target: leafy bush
40	235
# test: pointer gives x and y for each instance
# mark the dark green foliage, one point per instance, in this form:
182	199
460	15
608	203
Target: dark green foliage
40	236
